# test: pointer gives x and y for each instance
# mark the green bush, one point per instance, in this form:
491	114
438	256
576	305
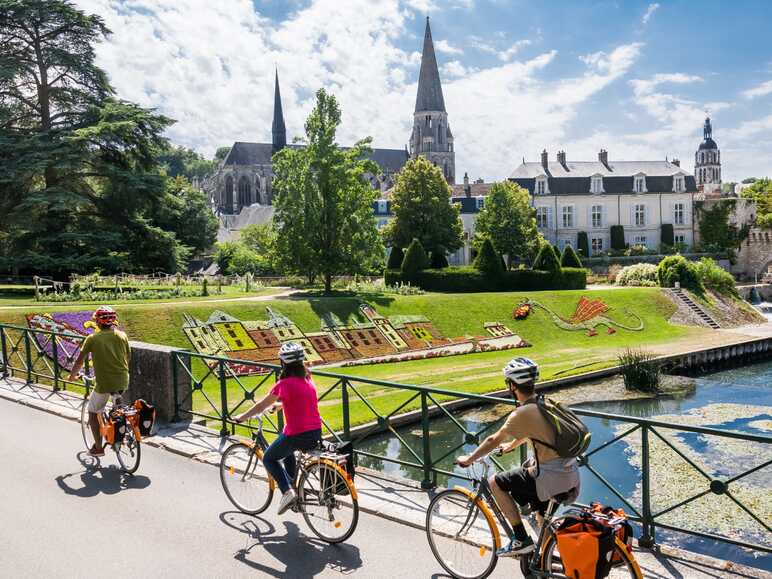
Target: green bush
488	261
639	371
547	259
415	258
667	237
675	268
618	237
439	260
464	279
569	258
583	244
395	258
714	277
640	274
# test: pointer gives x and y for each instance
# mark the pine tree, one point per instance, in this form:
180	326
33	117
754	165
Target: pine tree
569	258
439	260
415	258
487	260
395	258
547	259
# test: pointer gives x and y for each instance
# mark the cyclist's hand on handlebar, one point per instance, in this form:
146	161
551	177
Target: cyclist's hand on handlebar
501	450
464	461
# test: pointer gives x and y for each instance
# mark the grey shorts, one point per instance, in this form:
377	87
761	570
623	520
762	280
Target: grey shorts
98	400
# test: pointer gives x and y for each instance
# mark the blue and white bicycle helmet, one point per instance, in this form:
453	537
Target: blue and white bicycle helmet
291	352
521	370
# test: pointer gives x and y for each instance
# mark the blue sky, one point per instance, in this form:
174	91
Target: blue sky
632	77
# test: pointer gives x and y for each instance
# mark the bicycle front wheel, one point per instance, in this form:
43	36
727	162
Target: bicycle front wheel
244	479
128	451
328	502
624	566
461	537
85	427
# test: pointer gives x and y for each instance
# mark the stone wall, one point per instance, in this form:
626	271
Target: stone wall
152	378
755	255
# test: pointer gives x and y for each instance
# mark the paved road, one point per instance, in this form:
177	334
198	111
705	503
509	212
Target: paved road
59	518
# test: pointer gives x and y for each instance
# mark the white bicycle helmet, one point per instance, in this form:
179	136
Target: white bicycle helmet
521	370
291	352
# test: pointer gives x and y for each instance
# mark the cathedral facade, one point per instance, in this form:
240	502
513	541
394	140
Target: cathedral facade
244	177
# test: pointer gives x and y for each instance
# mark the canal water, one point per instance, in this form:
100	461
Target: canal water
738	399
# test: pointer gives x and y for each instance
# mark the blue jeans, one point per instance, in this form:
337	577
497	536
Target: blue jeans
282	450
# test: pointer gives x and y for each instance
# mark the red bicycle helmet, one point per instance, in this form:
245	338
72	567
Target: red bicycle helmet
105	316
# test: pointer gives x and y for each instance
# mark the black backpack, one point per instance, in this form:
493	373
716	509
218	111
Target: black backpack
572	437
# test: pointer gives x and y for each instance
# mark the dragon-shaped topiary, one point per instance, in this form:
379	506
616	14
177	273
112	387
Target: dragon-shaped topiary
587	316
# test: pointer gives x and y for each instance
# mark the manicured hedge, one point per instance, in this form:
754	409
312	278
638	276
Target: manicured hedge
667	236
583	244
468	279
618	237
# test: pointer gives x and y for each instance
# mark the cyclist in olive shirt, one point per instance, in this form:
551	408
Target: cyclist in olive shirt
110	354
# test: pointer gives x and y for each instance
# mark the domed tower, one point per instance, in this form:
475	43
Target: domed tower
431	136
707	162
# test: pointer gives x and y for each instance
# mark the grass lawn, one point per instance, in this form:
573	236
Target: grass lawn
558	352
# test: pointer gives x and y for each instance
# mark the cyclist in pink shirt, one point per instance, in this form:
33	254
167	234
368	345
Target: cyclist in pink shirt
296	394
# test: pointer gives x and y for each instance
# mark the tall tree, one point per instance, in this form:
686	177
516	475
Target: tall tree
509	221
422	210
761	192
185	211
323	216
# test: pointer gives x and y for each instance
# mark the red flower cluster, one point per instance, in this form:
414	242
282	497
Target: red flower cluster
521	312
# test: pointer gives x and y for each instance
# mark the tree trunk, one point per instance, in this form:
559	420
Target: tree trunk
327	283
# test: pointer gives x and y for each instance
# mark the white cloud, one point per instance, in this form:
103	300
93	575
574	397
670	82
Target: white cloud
445	47
761	90
454	68
481	45
509	53
650	10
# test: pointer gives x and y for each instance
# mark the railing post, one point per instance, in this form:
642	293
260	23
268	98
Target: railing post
346	410
28	356
428	481
223	399
4	349
175	359
647	539
55	354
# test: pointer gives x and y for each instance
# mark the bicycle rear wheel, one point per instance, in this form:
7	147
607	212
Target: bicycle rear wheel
244	479
128	451
626	567
328	502
460	535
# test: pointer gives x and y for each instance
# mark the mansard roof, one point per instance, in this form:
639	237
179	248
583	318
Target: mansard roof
429	96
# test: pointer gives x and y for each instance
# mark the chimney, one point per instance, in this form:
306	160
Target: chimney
676	162
544	159
603	157
467	188
562	159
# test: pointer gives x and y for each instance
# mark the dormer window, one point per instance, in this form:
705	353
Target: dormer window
639	184
479	202
679	183
382	206
596	184
542	185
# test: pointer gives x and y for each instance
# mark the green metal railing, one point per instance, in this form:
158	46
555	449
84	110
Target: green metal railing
357	408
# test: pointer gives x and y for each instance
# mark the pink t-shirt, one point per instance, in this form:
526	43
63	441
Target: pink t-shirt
298	400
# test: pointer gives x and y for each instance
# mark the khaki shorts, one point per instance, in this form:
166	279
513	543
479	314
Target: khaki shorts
98	400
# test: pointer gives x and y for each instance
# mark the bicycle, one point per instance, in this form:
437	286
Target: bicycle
326	496
126	442
461	526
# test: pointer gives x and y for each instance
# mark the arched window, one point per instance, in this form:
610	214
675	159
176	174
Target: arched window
228	194
258	198
245	192
439	134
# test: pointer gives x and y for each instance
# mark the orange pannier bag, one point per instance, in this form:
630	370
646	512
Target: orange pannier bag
617	520
585	546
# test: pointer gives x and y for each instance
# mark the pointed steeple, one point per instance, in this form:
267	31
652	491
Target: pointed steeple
278	130
429	97
707	130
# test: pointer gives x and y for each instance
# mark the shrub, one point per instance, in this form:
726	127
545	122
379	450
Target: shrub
488	261
583	244
714	277
639	371
439	260
569	258
637	250
465	279
667	237
547	259
617	237
395	258
675	268
415	258
640	274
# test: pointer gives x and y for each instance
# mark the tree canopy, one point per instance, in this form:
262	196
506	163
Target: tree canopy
324	217
422	209
761	191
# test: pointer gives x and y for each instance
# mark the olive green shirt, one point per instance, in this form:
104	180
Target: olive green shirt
110	356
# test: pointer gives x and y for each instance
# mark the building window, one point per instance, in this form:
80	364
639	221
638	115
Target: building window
596	185
542	217
680	239
639	184
597	245
597	216
640	215
542	186
640	240
678	184
563	243
568	215
382	206
678	214
479	202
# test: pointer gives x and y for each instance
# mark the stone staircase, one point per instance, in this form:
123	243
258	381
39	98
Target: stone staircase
696	308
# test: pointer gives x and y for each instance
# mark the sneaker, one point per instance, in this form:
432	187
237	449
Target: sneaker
516	548
287	500
94	451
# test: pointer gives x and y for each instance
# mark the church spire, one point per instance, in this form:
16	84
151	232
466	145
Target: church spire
278	130
429	97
